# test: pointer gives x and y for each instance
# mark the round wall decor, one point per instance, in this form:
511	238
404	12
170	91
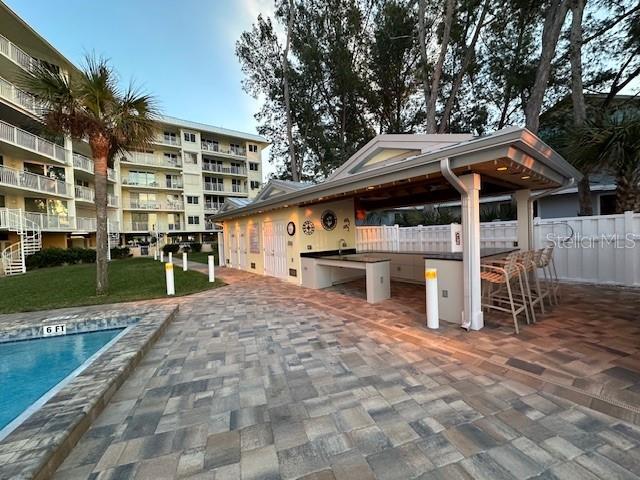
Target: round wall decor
308	227
291	229
329	220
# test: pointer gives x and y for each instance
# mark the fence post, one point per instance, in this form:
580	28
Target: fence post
162	256
630	250
170	257
184	261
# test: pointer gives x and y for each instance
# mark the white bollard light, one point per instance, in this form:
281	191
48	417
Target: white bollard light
171	286
431	279
170	257
212	273
184	261
162	256
155	253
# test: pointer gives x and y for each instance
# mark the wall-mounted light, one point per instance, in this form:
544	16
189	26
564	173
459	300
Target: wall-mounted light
502	169
525	177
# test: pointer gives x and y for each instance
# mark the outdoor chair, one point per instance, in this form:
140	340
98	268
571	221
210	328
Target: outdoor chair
547	265
500	284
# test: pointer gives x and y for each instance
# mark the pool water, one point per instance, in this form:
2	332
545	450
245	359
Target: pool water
30	368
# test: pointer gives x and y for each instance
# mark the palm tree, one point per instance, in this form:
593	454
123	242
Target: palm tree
88	104
613	144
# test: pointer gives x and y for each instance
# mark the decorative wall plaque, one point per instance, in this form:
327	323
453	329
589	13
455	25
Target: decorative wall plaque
329	220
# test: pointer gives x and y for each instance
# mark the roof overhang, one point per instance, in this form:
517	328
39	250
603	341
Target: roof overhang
518	148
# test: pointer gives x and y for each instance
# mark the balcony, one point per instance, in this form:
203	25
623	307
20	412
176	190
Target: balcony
56	223
213	187
31	181
212	167
167	184
89	224
142	158
212	207
137	227
155	205
238	189
25	100
167	140
31	142
17	55
86	194
217	148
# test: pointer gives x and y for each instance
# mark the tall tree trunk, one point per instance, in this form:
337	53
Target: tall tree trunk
628	189
295	171
457	83
434	88
100	151
577	97
553	20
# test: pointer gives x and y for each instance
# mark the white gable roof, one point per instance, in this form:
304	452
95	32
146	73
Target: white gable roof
274	188
387	149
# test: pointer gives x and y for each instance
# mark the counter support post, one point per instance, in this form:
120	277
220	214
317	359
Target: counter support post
472	313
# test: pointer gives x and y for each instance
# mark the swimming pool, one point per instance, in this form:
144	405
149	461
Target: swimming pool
31	371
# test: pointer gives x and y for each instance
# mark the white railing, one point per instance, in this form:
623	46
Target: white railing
138	226
238	189
84	193
112	200
29	141
17	55
81	162
212	167
89	224
217	148
213	187
165	184
212	206
601	249
154	205
143	158
51	222
10	92
167	140
32	181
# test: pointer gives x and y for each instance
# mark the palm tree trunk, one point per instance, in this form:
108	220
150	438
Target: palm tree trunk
100	151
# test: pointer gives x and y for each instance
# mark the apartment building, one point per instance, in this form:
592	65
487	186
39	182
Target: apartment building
169	190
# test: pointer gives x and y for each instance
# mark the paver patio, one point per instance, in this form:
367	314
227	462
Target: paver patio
262	380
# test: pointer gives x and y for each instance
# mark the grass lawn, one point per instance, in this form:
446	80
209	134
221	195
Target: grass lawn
201	257
74	285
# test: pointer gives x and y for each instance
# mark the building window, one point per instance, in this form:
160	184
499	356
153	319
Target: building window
253	148
253	166
191	158
255	185
189	137
193	220
2	201
193	200
170	138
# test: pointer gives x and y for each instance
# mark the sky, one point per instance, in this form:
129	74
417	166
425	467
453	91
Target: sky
181	52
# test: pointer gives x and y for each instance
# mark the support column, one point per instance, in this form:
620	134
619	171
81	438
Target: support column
525	219
472	316
221	257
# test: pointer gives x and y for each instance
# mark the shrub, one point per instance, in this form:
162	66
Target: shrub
120	252
53	257
171	247
196	247
186	249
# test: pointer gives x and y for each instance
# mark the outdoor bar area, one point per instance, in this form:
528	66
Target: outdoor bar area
308	235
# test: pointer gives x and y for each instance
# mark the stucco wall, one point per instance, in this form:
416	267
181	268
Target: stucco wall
54	240
319	240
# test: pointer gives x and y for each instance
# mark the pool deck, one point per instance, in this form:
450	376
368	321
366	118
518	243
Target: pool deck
39	445
264	380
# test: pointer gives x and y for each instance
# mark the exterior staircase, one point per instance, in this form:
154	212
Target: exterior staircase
14	256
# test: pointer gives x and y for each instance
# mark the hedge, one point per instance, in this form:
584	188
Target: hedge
171	247
54	257
196	247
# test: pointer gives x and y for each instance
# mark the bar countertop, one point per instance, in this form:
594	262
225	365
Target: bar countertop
453	256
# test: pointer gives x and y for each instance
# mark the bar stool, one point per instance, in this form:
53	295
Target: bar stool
548	267
507	276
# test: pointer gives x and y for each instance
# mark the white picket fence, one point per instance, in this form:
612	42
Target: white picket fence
598	249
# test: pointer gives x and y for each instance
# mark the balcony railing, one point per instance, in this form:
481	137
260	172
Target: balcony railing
212	167
17	55
137	227
29	141
112	200
84	193
155	205
212	206
165	184
81	162
13	94
217	148
32	181
213	187
238	189
51	222
90	224
143	158
167	140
